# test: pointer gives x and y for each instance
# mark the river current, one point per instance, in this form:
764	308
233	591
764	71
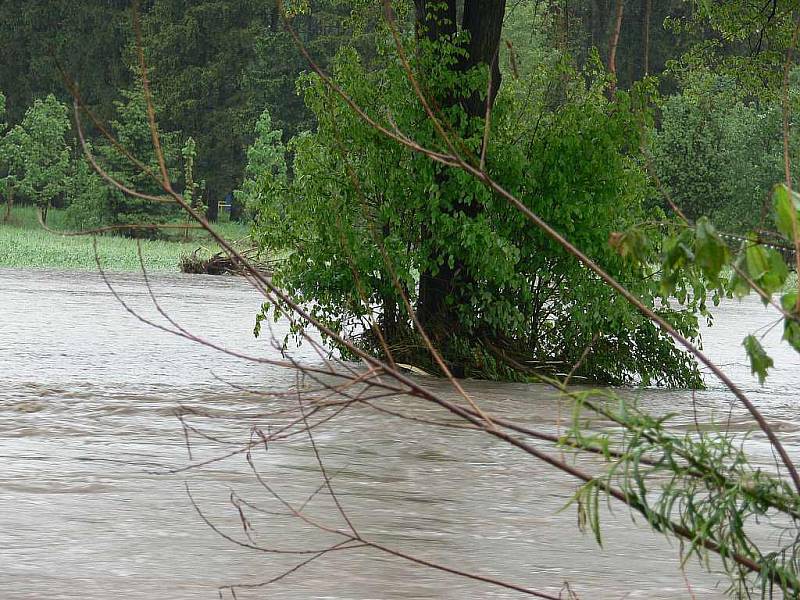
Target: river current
93	504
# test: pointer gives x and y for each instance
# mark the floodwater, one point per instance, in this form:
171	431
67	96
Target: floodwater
91	507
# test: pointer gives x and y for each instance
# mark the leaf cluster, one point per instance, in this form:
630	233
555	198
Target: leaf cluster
698	486
361	218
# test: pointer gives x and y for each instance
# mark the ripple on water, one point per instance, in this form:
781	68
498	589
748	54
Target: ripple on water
88	433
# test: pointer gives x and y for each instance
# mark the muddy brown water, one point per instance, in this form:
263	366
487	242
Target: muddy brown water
88	509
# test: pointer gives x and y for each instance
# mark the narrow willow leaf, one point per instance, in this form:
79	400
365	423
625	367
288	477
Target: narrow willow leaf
777	273
738	284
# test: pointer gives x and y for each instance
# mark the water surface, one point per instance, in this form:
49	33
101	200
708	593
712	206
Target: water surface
88	433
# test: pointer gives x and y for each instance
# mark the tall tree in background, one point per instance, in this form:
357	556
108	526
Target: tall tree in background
643	44
131	128
41	155
87	38
198	52
613	44
358	212
217	64
271	77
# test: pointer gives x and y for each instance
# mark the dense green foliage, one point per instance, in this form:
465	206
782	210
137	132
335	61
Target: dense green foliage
718	156
527	300
86	38
265	173
217	64
362	237
102	206
320	186
36	152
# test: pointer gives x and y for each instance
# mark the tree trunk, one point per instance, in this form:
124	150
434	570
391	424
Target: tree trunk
213	205
483	19
648	13
9	205
613	42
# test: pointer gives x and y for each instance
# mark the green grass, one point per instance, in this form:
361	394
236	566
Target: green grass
25	245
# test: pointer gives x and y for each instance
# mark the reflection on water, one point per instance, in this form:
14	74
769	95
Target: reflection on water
87	429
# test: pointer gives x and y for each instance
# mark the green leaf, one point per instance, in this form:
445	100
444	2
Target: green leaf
775	277
791	333
791	327
759	360
677	249
631	244
757	261
738	284
710	251
789	302
786	205
763	266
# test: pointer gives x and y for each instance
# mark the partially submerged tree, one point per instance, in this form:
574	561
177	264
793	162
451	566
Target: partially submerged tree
367	222
698	487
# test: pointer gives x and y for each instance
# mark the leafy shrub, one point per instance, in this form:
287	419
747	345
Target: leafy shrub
719	156
363	216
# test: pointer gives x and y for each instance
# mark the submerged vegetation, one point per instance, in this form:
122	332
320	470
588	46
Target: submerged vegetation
499	299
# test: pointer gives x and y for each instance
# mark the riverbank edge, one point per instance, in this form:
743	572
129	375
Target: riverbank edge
24	244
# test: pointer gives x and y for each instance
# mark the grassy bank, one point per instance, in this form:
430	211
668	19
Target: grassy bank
24	244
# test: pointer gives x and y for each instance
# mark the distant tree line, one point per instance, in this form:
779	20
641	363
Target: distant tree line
217	65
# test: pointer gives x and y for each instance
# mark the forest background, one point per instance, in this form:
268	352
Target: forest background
217	65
